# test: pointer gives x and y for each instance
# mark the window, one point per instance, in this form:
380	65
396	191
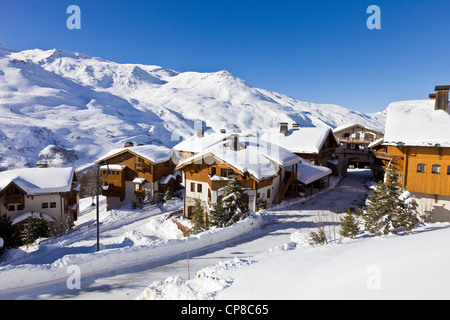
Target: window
192	187
268	193
436	169
11	208
226	173
44	205
421	167
199	187
52	204
213	171
448	170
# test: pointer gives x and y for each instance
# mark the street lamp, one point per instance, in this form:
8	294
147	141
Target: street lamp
105	186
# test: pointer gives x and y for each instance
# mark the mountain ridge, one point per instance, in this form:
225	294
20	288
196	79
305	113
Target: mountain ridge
67	108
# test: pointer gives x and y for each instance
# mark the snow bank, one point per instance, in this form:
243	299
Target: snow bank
140	251
204	286
386	267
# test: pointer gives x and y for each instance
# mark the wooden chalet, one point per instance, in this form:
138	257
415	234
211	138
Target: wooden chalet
137	173
314	144
50	191
417	142
266	172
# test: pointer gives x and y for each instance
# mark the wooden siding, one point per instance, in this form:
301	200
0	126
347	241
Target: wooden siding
407	159
137	167
201	172
427	181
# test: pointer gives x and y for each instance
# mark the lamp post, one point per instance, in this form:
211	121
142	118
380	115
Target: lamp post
105	187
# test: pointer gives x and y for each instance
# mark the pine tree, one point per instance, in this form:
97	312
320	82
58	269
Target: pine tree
35	228
168	195
349	225
386	211
9	233
377	213
198	218
235	202
218	214
409	216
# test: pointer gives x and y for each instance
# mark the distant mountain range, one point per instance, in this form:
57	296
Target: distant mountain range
65	108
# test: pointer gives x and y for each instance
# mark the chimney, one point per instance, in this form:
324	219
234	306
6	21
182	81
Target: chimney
442	98
432	96
128	144
284	128
234	142
199	133
223	131
295	125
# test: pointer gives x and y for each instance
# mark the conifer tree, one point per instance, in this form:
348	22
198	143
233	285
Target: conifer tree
218	215
9	233
35	228
167	195
386	211
235	202
349	225
198	218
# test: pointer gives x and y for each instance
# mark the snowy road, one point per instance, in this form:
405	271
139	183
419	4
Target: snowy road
128	283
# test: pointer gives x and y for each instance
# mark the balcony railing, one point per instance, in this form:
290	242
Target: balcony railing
14	199
217	184
356	140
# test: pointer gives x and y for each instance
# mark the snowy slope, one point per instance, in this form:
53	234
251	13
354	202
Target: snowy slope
67	108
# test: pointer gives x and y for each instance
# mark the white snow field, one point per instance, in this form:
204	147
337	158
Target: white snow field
143	256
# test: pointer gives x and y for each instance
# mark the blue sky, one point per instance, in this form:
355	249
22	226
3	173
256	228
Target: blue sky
316	51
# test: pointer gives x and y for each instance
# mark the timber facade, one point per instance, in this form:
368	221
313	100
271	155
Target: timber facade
132	174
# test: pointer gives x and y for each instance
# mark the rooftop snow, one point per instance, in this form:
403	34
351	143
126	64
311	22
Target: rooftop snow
348	126
154	153
308	172
197	144
259	158
299	140
38	181
416	123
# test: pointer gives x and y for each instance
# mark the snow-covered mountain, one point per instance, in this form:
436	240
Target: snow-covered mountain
67	108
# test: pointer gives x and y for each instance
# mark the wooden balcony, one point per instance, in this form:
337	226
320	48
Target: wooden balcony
360	140
217	184
14	199
141	166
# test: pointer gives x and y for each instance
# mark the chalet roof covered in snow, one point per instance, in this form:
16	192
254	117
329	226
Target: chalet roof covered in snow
196	144
300	140
39	181
351	125
154	153
308	172
416	123
259	158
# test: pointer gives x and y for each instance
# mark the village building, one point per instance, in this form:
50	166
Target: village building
417	142
354	141
137	173
317	145
32	191
265	171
